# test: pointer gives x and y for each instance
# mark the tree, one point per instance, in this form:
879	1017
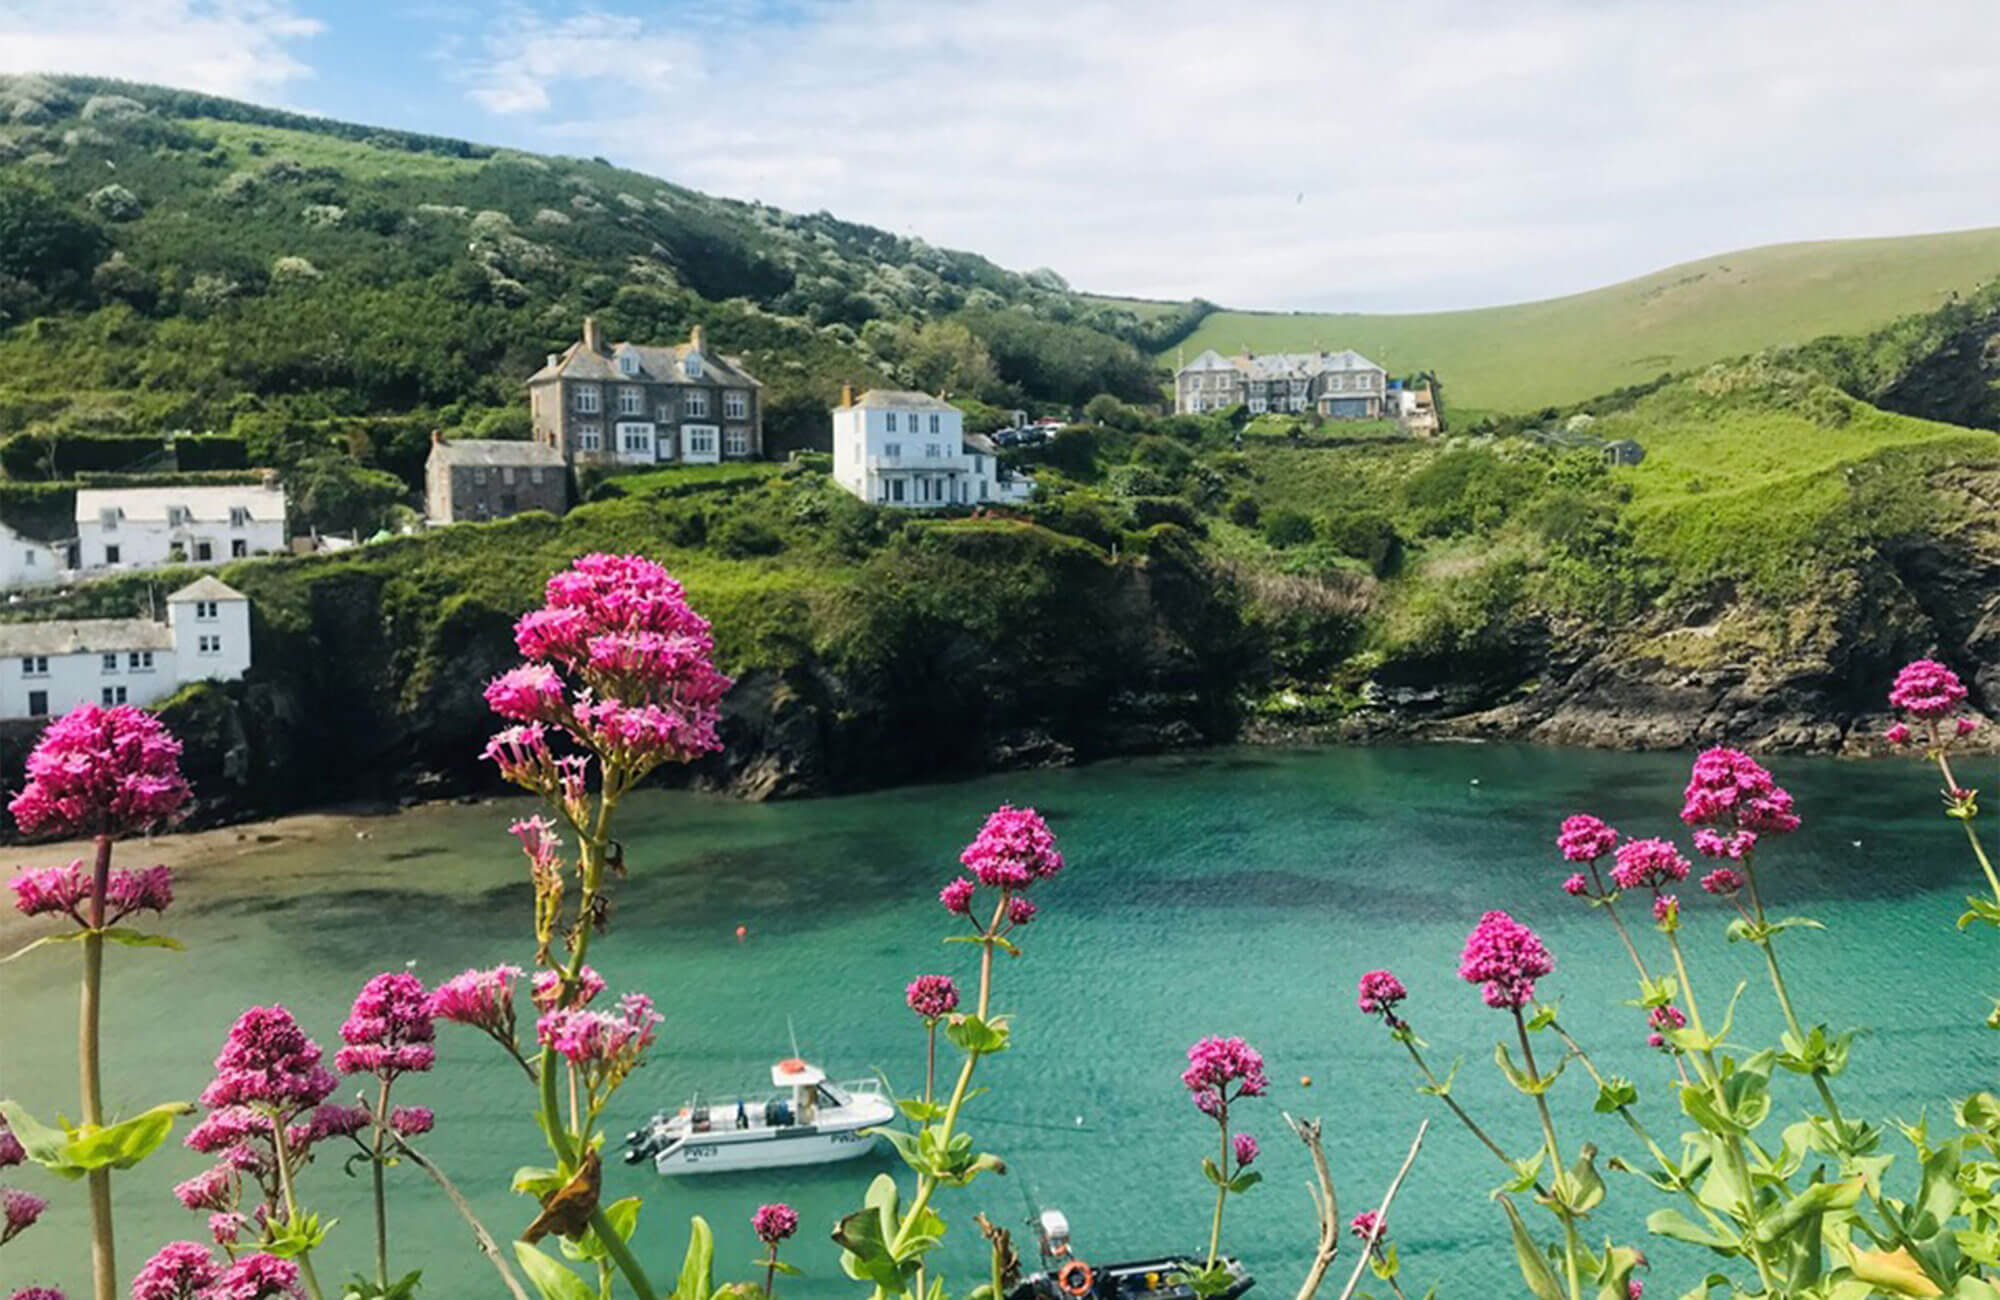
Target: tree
43	241
334	494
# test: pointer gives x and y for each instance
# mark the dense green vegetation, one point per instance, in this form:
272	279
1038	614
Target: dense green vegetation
1530	355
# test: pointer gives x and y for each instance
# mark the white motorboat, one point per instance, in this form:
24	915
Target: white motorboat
806	1121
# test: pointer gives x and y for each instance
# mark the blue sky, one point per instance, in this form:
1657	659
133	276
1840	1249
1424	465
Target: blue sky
1358	154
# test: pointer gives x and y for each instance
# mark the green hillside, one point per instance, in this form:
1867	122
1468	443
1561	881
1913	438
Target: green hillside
1562	350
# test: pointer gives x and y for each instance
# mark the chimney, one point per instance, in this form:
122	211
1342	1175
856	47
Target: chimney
847	395
554	357
437	437
694	338
590	339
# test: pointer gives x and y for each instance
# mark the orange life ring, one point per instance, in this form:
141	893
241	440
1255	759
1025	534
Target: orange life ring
1075	1278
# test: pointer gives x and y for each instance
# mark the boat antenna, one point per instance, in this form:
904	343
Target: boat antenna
793	1034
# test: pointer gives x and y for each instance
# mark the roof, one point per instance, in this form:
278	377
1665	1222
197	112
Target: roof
1209	360
896	399
207	587
69	636
658	364
982	444
1283	365
496	451
265	504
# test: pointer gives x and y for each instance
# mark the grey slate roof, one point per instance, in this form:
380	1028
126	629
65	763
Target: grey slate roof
896	399
207	587
489	452
1283	365
1210	359
663	364
68	636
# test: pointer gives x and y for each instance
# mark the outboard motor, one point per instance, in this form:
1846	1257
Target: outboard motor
1052	1230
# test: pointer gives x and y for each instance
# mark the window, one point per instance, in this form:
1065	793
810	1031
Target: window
238	548
664	412
535	476
889	422
932	451
1256	406
139	661
205	611
239	516
107	518
204	552
209	645
695	403
892	450
589	437
509	503
936	422
28	559
111	555
628	363
113	696
35	666
736	442
735	404
637	438
587	399
700	442
694	365
178	516
111	663
507	475
631	401
38	704
895	489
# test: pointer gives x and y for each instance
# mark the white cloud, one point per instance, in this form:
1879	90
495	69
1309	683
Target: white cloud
241	48
1376	154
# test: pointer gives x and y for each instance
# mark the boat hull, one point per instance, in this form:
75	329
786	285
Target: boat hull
722	1152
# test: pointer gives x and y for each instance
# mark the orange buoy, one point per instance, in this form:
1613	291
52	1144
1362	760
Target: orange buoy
1305	1081
742	933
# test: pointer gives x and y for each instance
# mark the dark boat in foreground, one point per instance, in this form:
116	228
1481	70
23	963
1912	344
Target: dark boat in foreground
1065	1275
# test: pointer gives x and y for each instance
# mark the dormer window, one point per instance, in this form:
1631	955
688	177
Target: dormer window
177	516
694	365
107	518
239	516
628	362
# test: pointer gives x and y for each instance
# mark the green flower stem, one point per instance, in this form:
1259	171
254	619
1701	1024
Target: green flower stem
1221	1189
381	1199
930	1058
1632	1121
771	1269
103	1261
1618	923
291	1200
1443	1095
1563	1211
1971	836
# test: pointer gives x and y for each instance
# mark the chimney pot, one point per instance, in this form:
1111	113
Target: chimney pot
590	339
694	338
437	437
847	394
554	357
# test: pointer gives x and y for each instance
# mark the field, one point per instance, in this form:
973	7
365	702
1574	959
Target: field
1562	350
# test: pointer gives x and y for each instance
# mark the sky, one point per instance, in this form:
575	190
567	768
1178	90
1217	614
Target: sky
1368	155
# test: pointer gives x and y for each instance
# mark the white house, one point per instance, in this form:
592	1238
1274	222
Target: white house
144	528
910	449
50	667
29	561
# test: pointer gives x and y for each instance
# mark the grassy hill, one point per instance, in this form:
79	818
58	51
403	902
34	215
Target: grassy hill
1531	355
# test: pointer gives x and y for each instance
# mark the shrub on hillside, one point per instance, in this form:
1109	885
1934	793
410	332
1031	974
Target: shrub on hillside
1283	528
1365	535
1245	511
115	203
742	537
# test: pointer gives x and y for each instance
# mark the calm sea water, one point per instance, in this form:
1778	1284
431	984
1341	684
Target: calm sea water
1236	891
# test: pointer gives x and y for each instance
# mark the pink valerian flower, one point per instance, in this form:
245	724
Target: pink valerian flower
1666	911
326	1122
603	1046
268	1062
957	896
529	693
483	999
11	1151
1634	1288
1927	690
226	1226
547	985
1505	958
1964	726
388	1031
1378	994
38	1293
1013	849
1245	1147
412	1121
101	772
1716	844
523	757
1723	881
1020	911
1363	1225
256	1277
1897	734
932	996
1663	1020
1576	886
774	1223
1648	864
39	891
179	1270
18	1212
1221	1070
645	735
211	1189
1728	788
1585	838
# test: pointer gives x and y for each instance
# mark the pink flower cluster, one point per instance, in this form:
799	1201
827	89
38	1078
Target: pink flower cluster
257	1277
1648	864
1717	844
1926	690
1246	1148
1722	882
604	1041
1378	994
1584	838
179	1270
11	1151
101	772
412	1121
1013	850
388	1031
932	996
38	1293
483	999
18	1212
774	1223
1729	789
39	891
268	1062
1505	958
1663	1021
1221	1070
1363	1225
547	986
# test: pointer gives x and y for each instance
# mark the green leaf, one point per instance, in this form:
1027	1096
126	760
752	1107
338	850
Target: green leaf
623	1216
1443	1087
73	1152
1535	1270
1805	1209
1657	993
698	1266
71	936
551	1279
1533	1087
1244	1182
537	1180
1584	1187
135	939
910	1147
290	1238
1613	1094
978	1036
1526	1172
1672	1223
1545	1015
1210	1171
405	1287
918	1111
1980	909
783	1269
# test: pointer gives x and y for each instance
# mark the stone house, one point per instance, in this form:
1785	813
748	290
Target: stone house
1335	385
471	479
638	404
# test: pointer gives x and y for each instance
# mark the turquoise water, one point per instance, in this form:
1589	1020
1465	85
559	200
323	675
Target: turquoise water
1237	891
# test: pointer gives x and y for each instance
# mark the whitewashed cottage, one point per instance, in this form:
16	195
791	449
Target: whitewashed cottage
898	448
50	666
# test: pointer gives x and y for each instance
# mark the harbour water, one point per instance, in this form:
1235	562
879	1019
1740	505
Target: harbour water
1236	891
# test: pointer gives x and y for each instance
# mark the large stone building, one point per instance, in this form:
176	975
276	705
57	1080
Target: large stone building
49	667
897	448
470	479
1335	385
637	404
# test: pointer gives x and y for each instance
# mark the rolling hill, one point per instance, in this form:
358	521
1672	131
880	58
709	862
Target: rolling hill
1550	353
